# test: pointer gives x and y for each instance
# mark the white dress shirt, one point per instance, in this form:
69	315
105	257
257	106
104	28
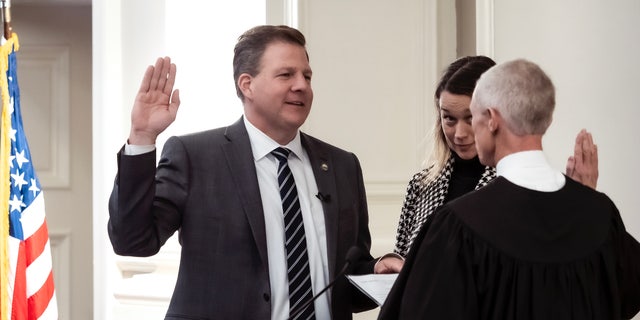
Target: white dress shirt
312	214
530	169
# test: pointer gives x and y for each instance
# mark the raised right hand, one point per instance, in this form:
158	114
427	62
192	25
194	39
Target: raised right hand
583	165
155	106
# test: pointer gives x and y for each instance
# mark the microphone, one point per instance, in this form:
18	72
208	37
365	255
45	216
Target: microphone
323	197
352	255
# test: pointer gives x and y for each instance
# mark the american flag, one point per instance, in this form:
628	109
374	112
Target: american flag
27	284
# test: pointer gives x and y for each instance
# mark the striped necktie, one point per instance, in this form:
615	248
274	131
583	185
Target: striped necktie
295	242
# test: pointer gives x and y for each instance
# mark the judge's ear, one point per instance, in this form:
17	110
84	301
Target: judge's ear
244	83
494	119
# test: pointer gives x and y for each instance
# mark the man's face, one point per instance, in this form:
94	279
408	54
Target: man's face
485	144
280	94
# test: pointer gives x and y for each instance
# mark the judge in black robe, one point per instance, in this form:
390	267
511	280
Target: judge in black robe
532	244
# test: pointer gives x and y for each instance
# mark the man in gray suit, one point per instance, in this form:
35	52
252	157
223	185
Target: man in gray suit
221	190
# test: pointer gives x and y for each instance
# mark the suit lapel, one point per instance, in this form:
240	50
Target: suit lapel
323	171
239	158
243	171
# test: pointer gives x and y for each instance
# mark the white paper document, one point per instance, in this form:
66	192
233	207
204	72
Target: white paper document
375	286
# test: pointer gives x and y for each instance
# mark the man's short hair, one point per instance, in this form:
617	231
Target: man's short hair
522	93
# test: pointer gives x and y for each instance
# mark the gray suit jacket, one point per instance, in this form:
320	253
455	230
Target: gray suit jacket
205	186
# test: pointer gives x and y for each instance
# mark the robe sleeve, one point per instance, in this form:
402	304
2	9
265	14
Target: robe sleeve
436	281
628	268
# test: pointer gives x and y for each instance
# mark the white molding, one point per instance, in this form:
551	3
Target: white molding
388	189
434	41
284	12
60	242
301	14
51	62
146	290
485	28
291	13
108	125
130	266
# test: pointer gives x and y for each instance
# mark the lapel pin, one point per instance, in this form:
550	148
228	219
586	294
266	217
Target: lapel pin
324	166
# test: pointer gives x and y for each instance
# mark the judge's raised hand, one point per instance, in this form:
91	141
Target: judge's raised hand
583	165
156	104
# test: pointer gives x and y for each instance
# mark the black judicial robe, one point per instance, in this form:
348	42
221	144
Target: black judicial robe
507	252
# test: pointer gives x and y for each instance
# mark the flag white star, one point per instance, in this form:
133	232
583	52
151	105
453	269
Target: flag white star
13	131
34	187
20	158
18	179
11	161
16	204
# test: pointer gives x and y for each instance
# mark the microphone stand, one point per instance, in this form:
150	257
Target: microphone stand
352	255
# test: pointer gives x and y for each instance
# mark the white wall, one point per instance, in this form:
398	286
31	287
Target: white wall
375	65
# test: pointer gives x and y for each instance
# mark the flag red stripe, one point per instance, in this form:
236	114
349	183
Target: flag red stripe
30	308
39	301
19	301
36	244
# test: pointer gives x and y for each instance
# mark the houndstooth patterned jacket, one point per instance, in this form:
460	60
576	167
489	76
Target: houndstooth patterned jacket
423	199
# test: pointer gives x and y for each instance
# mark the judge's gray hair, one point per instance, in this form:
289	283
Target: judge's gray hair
521	92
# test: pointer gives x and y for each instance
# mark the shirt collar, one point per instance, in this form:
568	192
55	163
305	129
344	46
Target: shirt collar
262	145
531	170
